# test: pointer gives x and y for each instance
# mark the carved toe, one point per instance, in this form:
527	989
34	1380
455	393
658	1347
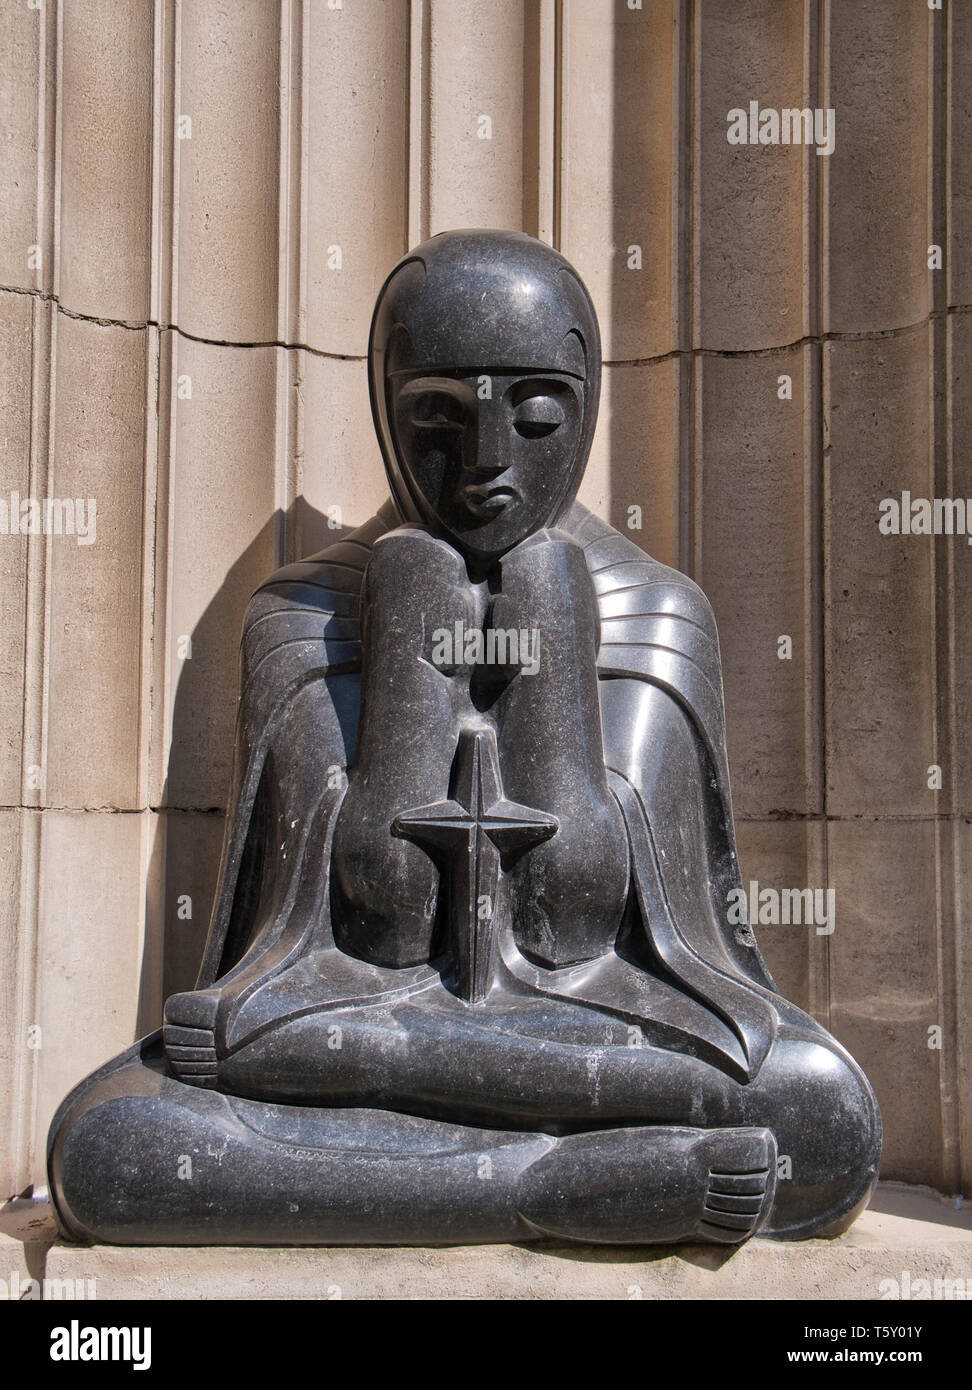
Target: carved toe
742	1184
189	1038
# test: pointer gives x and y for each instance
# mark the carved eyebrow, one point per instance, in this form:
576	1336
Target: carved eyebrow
539	386
426	385
436	385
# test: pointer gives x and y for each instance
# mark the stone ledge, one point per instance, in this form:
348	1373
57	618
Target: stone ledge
905	1229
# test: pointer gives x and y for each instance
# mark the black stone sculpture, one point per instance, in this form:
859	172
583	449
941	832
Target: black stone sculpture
471	974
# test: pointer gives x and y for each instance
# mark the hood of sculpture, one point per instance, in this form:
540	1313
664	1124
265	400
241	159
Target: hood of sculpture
484	368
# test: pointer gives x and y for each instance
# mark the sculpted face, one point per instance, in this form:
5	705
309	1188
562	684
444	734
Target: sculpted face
490	456
484	368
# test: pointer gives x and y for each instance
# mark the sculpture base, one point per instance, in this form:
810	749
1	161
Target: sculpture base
907	1235
139	1158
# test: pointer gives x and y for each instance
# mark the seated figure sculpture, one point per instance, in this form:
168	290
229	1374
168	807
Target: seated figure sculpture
471	974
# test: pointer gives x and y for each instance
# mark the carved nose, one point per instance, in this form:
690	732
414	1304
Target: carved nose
490	454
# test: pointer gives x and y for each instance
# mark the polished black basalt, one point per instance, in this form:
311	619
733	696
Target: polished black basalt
471	973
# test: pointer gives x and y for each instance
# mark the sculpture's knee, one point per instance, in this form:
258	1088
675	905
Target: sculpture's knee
828	1132
384	892
569	893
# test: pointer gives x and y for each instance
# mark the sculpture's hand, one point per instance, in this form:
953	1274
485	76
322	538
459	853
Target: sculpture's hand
568	893
384	888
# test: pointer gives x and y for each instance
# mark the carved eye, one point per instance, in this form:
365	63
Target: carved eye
437	410
538	416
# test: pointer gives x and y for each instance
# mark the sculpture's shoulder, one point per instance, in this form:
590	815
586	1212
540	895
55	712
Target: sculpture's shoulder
319	596
321	579
657	626
637	594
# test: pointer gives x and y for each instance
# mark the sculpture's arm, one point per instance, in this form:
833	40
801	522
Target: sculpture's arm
282	654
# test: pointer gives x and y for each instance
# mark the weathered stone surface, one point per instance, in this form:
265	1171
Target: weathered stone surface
355	117
619	183
476	119
956	601
105	253
183	876
876	273
16	342
226	277
218	531
959	47
884	980
960	1090
339	465
903	1230
879	619
16	1061
27	83
88	857
752	202
779	855
638	421
95	738
754	516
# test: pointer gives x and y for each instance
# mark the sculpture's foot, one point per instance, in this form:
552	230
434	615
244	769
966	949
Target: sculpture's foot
137	1157
653	1185
189	1037
738	1200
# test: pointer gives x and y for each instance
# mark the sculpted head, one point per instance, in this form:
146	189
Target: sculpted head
484	368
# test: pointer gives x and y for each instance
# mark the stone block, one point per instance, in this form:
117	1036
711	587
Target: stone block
634	461
355	128
16	963
105	236
879	596
226	189
188	864
958	262
936	1243
16	344
876	260
95	582
751	203
475	114
93	977
780	855
27	68
958	1098
956	600
754	522
618	184
220	523
340	462
884	983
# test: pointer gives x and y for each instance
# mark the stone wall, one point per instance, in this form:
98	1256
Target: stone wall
197	204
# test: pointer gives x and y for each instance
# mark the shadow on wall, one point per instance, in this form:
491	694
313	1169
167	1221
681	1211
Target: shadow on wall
182	878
